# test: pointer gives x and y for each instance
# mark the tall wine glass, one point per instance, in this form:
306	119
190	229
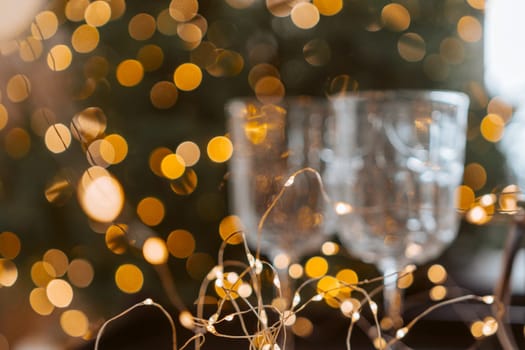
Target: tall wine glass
280	151
399	158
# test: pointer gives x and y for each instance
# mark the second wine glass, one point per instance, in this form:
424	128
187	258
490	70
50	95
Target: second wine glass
399	159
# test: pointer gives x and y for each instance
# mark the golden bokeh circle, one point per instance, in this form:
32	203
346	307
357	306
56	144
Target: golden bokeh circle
305	15
130	72
151	211
163	95
10	245
181	243
220	149
18	88
411	47
85	38
59	57
187	76
97	13
129	278
151	56
45	25
142	26
57	138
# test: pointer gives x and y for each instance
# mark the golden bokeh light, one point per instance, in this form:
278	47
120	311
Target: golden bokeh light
328	7
115	238
118	8
74	323
185	184
187	76
57	138
42	273
39	302
437	274
508	199
17	143
58	259
80	273
59	293
316	267
155	251
269	90
231	229
45	25
88	124
476	329
219	149
4	116
151	56
18	88
172	166
395	17
411	47
10	245
348	277
329	286
181	244
151	211
155	159
100	152
129	278
30	49
85	38
189	32
469	29
303	327
97	13
183	10
130	72
59	57
75	10
119	147
464	197
438	293
163	95
492	127
279	8
142	26
240	4
100	195
189	151
330	248
475	176
405	281
477	4
228	287
296	271
305	15
8	273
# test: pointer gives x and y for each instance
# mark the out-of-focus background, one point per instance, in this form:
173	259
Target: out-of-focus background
138	88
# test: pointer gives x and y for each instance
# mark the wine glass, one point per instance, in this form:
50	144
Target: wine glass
280	152
399	158
281	149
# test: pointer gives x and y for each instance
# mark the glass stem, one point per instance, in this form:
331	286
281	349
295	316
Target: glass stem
392	295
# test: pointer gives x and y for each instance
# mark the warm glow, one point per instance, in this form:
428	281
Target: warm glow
59	293
75	10
464	197
395	17
183	10
330	248
269	89
281	261
438	293
18	88
437	273
142	26
57	138
58	259
476	329
305	15
45	25
475	176
328	7
85	38
163	95
295	271
231	229
88	124
316	267
469	29
155	159
151	211
405	281
492	127
74	323
116	240
8	273
172	166
190	152
129	278
119	148
4	117
130	73
80	273
181	244
100	195
39	302
30	49
97	13
348	278
411	47
303	327
187	76
59	57
151	56
155	251
42	273
9	245
219	149
227	287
